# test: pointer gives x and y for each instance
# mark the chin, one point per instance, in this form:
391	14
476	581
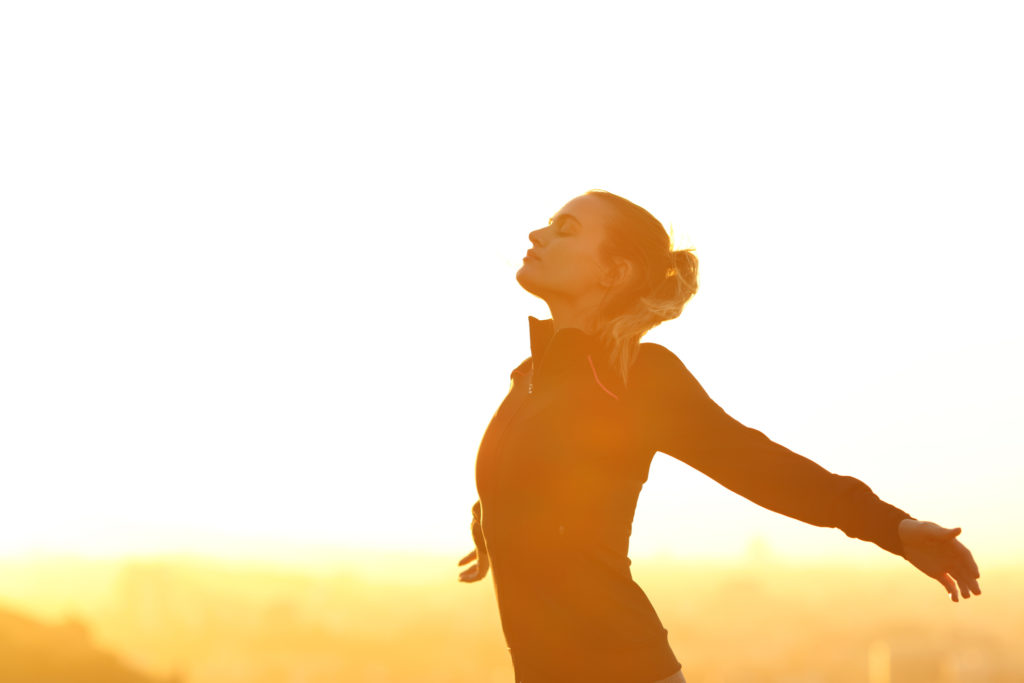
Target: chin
526	282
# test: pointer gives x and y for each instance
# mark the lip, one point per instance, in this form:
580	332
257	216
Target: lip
531	254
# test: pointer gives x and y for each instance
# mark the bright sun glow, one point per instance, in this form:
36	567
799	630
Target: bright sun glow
257	261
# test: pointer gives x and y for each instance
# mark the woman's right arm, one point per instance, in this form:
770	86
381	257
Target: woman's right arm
478	570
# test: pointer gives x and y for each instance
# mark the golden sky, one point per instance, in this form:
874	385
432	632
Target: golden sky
257	262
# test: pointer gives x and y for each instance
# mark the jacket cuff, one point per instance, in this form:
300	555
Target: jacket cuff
890	536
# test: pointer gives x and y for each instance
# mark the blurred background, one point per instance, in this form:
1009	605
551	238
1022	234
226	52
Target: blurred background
257	306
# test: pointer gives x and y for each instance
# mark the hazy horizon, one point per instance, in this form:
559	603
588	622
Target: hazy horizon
254	275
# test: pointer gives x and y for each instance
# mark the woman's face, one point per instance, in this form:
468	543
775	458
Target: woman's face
564	264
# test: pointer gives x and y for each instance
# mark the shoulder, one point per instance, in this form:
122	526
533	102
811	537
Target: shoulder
659	370
654	360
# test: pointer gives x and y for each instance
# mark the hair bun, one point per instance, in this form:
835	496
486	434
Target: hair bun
684	267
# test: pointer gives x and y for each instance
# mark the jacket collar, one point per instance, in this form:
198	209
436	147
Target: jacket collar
541	332
544	340
555	353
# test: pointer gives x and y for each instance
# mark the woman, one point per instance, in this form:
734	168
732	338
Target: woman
563	460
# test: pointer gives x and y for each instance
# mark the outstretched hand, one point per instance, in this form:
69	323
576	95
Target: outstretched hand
936	552
478	570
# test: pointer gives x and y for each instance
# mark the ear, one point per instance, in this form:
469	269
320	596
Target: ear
619	272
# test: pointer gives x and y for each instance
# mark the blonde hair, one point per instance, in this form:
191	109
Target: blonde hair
663	280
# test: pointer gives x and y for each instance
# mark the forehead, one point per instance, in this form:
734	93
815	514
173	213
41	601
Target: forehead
587	209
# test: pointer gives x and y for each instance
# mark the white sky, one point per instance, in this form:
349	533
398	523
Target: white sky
257	259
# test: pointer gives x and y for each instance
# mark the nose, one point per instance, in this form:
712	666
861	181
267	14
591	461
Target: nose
535	237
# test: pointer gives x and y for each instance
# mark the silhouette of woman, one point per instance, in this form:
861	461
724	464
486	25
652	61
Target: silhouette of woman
562	462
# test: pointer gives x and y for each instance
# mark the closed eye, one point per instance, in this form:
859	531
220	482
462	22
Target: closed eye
560	225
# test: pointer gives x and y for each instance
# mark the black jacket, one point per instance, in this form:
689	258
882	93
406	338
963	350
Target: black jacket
558	473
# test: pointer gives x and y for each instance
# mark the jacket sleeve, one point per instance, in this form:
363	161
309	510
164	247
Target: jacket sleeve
478	534
681	420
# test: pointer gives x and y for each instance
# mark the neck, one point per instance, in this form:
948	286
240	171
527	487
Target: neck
565	315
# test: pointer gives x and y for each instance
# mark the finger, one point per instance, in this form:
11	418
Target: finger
967	581
471	575
965	562
941	533
468	558
950	586
969	561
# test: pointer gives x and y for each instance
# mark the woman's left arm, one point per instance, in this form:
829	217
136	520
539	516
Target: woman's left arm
683	421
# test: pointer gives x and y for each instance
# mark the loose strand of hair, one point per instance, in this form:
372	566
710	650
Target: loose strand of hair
622	333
